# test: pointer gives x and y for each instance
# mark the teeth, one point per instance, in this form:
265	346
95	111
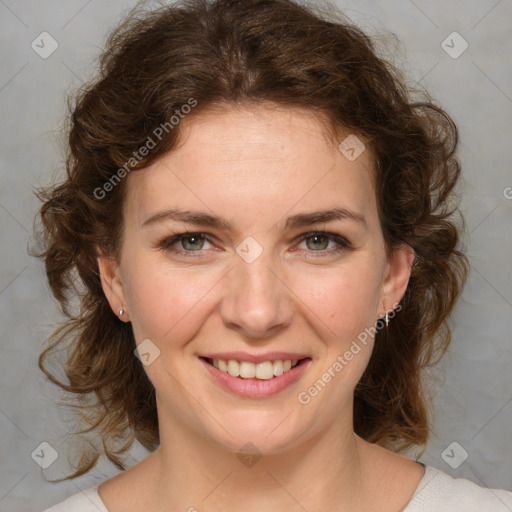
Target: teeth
246	370
264	370
277	368
233	368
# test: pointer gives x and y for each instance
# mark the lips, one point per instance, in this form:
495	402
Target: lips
253	386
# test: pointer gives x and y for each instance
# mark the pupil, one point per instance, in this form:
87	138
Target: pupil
316	238
196	238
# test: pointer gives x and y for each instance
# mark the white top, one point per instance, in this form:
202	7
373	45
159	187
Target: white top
436	492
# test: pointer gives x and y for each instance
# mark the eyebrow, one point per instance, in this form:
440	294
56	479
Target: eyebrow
213	222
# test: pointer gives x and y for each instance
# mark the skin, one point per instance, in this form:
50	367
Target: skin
254	167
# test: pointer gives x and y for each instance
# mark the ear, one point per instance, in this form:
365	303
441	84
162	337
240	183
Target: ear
396	278
112	284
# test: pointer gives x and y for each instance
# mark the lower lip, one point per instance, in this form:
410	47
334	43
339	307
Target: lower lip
257	388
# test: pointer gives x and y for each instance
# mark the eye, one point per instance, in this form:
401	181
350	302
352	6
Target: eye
190	242
320	240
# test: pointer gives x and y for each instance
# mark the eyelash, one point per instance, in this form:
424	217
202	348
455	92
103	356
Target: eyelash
342	243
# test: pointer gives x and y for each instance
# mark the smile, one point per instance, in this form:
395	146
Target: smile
255	380
247	370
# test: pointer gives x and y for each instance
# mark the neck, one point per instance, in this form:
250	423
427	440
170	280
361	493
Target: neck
326	472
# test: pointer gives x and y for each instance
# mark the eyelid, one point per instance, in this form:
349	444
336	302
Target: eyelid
342	244
331	236
172	239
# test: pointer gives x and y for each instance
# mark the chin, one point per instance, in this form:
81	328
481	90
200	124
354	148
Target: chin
257	432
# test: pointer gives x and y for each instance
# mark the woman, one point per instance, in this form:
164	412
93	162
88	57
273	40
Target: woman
263	223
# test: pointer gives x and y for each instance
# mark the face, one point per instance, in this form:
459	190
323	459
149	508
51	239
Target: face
257	279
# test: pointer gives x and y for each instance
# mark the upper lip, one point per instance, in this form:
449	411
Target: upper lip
256	358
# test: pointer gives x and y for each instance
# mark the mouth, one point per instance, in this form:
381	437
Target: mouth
255	380
264	370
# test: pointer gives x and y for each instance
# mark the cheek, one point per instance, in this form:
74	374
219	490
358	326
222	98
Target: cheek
345	298
165	302
342	304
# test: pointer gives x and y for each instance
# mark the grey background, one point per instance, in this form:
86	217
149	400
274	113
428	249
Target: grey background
472	387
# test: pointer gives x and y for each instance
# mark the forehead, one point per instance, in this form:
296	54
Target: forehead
247	130
246	158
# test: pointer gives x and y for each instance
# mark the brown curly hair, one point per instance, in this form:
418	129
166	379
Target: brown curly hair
248	52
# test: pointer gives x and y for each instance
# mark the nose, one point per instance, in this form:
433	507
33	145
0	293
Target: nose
257	302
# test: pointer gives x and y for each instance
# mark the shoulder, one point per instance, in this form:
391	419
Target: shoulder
84	501
440	492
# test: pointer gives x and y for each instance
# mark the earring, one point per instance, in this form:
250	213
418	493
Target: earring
121	312
386	317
